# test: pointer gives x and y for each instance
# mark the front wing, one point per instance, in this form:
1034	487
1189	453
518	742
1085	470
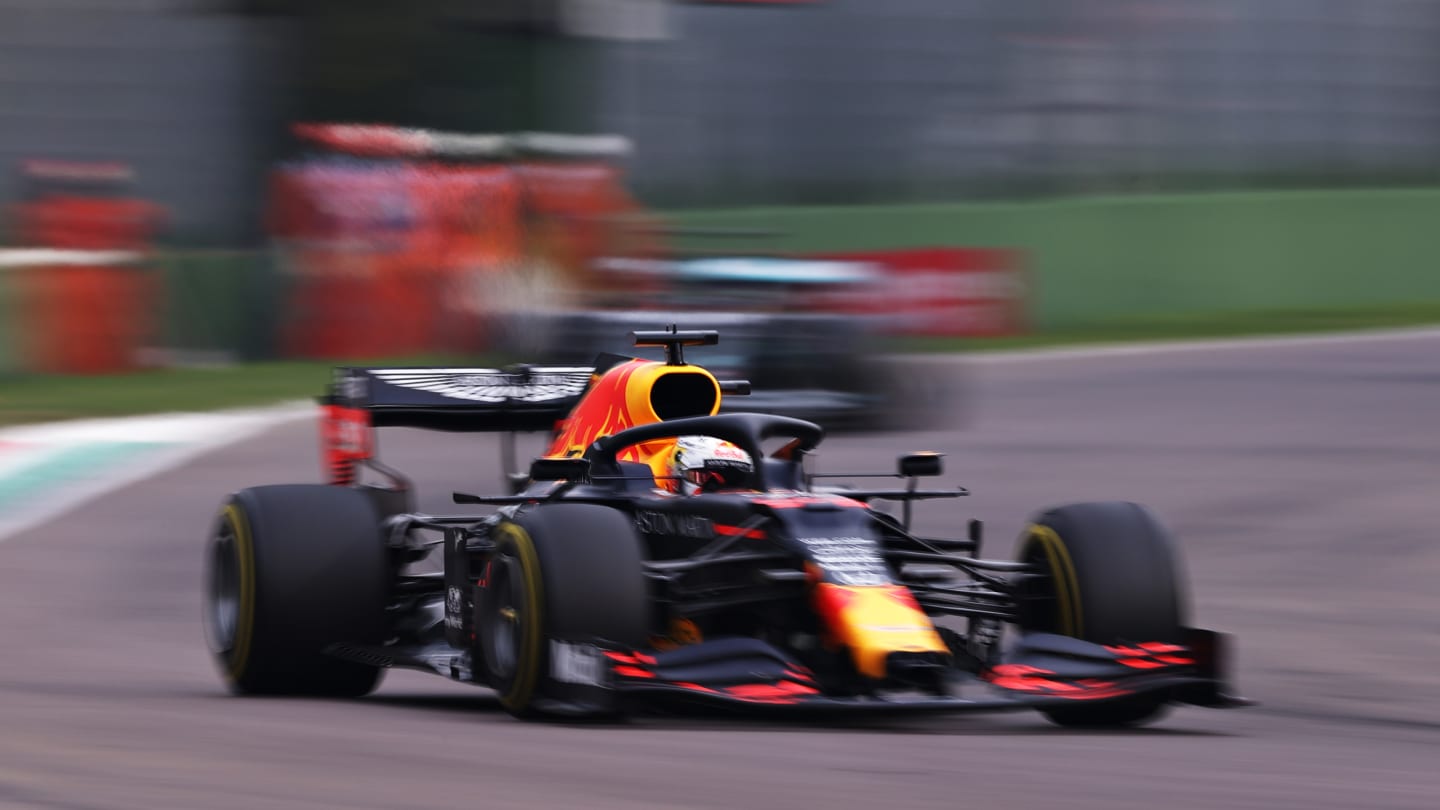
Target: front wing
1040	671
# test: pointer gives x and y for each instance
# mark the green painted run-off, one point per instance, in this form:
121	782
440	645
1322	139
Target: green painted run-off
66	465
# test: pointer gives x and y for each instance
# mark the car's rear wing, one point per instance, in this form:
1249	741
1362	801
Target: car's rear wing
512	399
462	399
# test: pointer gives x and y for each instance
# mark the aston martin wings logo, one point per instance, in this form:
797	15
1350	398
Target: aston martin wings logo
491	385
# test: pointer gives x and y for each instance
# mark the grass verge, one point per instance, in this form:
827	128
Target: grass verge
44	398
48	398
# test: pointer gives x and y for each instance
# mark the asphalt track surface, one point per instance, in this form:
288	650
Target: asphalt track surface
1302	481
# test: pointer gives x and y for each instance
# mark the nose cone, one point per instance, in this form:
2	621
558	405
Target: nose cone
888	634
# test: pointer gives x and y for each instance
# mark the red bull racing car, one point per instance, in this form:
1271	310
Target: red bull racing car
660	551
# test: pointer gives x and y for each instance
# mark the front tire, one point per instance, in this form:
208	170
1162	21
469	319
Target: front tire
560	571
1110	574
290	570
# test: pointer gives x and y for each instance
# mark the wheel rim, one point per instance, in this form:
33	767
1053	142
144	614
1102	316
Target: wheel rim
222	598
1037	595
506	615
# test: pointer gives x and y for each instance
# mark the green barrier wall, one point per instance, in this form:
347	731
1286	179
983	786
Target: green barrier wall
220	302
1100	259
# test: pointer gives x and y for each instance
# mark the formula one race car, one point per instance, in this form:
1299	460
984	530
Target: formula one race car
632	566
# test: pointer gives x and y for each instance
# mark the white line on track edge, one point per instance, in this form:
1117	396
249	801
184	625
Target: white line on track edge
230	427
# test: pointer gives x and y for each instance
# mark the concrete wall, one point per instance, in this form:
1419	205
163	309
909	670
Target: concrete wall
190	97
856	100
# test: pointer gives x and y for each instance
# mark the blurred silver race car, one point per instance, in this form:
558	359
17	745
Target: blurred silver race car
805	359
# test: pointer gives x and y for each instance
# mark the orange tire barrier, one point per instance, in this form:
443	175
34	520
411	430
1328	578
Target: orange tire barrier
87	299
421	241
81	318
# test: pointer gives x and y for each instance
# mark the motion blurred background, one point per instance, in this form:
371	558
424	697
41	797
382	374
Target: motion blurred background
219	181
209	203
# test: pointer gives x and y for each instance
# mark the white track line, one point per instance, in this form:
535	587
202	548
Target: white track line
189	436
160	427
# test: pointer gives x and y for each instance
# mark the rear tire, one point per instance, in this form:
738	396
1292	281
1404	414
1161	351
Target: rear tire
566	571
290	570
1112	575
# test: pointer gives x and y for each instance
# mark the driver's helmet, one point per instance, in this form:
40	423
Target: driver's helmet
707	464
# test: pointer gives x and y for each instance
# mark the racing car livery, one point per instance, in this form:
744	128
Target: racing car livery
605	581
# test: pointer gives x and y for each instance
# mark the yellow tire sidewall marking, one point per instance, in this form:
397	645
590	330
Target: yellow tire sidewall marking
527	669
1067	585
245	620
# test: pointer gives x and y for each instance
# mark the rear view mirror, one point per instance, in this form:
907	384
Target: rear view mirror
921	464
560	469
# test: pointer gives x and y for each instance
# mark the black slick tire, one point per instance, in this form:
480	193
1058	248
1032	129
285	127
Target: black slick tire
559	571
290	570
1110	574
